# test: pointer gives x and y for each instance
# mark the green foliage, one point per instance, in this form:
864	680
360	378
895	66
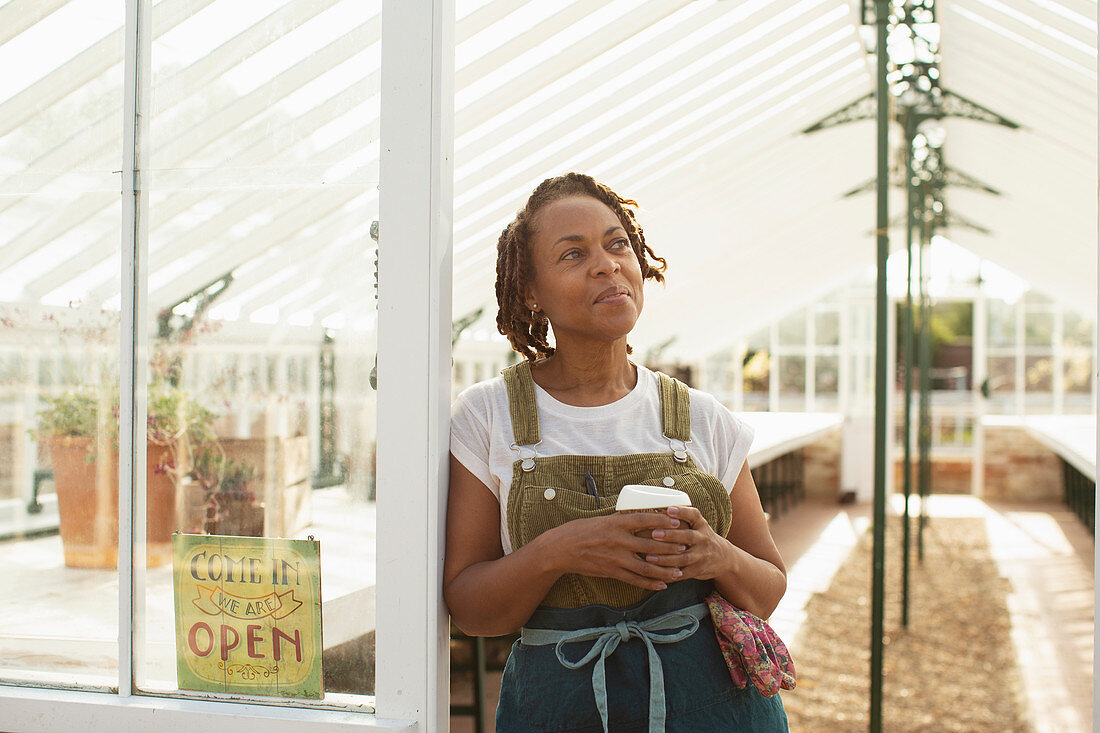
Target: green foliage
172	415
224	481
73	414
952	323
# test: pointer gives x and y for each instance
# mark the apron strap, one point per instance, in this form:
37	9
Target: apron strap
675	408
521	403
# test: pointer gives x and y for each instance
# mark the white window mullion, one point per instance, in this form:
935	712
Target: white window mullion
810	363
133	347
773	367
739	376
414	342
1058	347
979	370
1019	362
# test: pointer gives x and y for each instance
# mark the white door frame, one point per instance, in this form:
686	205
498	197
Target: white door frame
415	205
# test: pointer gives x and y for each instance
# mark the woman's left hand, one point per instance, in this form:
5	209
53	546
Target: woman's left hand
708	554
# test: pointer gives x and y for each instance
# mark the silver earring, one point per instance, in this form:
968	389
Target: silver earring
535	307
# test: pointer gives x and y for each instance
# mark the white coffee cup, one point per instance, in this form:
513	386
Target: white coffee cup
642	498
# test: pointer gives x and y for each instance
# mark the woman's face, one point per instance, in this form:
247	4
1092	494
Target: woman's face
587	278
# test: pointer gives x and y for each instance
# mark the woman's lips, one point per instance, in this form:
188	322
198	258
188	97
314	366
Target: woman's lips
613	296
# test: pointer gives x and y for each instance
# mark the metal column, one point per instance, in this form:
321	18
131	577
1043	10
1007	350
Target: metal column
882	377
907	359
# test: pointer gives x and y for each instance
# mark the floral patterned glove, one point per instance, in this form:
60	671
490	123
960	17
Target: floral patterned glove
751	648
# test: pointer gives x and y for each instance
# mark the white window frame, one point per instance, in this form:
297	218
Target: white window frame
415	204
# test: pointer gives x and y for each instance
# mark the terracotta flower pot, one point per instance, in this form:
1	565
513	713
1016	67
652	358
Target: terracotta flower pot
87	501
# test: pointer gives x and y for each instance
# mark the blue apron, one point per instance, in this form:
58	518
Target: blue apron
540	693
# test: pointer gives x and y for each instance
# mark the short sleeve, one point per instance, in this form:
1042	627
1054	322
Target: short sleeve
470	435
735	439
739	452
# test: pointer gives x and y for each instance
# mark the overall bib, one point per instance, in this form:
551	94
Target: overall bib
600	655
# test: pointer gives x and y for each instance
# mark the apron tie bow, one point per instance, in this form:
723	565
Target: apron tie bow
606	639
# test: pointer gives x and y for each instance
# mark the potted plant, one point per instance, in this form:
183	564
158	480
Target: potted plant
229	495
80	428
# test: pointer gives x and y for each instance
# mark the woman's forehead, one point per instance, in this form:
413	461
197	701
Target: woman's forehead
573	212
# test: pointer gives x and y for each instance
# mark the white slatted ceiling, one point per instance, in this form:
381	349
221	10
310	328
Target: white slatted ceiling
1034	62
693	108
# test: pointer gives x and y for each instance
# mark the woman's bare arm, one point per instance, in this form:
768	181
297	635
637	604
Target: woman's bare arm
490	593
757	578
745	564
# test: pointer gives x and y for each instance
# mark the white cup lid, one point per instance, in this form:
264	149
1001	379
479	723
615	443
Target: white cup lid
639	496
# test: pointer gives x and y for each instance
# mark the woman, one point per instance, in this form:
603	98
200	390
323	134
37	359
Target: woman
609	604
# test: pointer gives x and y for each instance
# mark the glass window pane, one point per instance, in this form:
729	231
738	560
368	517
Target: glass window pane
827	328
1001	322
1077	329
263	154
826	375
792	329
1002	374
1039	329
1078	372
60	235
792	374
755	375
1039	374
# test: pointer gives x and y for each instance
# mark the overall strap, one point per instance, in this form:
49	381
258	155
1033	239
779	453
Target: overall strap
521	403
675	408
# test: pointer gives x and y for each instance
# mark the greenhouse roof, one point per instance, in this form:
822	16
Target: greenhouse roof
263	149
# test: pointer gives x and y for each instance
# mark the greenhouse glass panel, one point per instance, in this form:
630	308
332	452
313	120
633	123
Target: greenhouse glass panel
1077	331
826	375
1038	374
827	327
1001	322
1002	374
1038	329
792	329
1078	373
792	375
60	143
263	148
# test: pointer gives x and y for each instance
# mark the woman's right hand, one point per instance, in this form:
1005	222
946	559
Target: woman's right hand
614	546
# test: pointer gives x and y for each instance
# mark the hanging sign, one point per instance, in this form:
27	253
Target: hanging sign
248	615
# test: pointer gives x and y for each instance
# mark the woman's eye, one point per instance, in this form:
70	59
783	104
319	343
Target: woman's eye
620	244
571	254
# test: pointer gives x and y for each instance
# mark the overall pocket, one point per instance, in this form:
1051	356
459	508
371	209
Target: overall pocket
545	507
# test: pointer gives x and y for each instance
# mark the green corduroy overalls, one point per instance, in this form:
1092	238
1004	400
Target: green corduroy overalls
549	491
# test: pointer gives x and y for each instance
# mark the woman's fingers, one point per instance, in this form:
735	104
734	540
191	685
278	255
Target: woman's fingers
678	536
647	546
689	514
643	521
651	574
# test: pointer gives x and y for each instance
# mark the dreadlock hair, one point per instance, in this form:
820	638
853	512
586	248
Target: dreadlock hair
525	329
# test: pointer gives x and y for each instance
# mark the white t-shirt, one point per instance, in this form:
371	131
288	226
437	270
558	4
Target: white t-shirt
481	433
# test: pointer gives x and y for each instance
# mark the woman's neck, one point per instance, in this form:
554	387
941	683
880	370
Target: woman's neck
588	377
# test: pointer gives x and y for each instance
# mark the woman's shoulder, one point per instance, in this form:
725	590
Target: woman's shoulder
707	402
482	396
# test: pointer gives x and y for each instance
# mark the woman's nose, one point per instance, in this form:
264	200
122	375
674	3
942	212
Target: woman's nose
604	263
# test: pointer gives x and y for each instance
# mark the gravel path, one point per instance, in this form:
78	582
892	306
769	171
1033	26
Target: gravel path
952	669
